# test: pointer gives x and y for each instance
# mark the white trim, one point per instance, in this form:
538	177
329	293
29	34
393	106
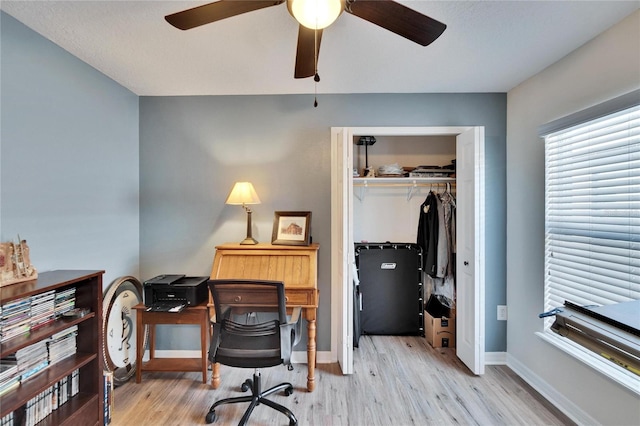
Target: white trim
336	233
178	353
300	357
337	282
624	378
410	131
611	106
495	358
571	410
297	357
322	357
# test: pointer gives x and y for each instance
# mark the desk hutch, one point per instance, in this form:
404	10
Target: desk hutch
295	266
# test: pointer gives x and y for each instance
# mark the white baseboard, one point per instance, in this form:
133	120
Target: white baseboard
173	354
570	409
322	357
495	358
297	357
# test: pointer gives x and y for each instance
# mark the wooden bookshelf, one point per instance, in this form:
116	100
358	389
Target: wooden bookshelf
86	407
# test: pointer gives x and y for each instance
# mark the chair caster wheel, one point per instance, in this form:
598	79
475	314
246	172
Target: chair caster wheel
288	390
211	417
246	385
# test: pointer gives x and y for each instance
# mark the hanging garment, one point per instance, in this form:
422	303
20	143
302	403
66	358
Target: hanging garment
428	233
442	247
449	213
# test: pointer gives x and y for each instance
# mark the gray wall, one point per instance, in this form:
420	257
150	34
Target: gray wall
69	158
71	154
194	148
69	178
604	68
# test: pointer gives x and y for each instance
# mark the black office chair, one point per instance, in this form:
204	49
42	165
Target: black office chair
246	336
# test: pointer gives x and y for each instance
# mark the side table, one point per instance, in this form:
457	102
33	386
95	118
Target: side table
198	314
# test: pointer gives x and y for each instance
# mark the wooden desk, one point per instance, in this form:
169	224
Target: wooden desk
198	314
295	266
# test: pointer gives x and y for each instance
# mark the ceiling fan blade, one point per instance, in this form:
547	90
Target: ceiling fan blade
308	45
212	12
398	19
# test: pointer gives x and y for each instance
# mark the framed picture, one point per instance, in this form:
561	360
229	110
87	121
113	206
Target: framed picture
291	228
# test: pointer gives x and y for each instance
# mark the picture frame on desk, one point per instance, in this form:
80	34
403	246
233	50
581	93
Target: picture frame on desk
291	228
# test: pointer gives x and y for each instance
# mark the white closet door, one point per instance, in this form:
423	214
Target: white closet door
470	247
342	256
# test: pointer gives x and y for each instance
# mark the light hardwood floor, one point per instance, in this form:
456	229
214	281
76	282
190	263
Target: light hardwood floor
398	380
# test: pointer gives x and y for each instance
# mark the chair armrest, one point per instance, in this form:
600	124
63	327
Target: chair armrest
216	324
290	335
295	315
297	324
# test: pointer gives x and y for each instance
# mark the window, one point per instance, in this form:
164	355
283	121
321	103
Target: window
592	215
592	206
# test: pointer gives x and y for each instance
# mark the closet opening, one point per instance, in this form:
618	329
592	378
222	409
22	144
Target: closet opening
404	218
380	208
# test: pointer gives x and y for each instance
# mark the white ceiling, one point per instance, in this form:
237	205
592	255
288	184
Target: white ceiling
488	46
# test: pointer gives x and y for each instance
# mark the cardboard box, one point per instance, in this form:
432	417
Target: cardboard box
440	332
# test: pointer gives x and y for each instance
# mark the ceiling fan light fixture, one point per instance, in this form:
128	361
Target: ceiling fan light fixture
315	14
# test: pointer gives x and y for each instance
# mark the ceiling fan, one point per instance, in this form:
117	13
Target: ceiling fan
387	14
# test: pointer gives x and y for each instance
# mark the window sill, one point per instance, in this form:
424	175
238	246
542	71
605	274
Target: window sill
618	374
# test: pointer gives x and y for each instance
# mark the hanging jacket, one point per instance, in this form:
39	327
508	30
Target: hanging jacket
428	233
449	210
442	245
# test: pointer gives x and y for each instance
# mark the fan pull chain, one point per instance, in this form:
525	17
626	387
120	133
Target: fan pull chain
316	77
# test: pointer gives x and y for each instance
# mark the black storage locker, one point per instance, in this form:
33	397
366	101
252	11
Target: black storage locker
391	288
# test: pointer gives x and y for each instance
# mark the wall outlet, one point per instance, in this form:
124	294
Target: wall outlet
502	312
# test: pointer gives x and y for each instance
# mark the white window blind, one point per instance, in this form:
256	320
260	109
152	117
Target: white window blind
592	215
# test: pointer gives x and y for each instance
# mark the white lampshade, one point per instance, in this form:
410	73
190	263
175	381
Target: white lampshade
315	14
243	193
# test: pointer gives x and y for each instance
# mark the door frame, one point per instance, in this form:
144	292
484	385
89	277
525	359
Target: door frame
342	198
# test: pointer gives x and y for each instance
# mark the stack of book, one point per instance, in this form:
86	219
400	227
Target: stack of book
32	359
43	404
9	375
67	387
15	319
62	344
65	301
108	396
42	309
7	420
432	171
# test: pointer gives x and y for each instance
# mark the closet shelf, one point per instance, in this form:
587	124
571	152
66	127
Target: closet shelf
399	182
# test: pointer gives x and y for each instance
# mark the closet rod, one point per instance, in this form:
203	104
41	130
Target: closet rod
402	182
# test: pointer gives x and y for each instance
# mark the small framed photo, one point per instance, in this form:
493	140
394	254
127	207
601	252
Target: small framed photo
291	228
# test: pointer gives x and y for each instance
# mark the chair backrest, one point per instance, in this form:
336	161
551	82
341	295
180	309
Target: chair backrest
248	296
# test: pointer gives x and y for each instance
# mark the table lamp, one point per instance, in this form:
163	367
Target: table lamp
243	193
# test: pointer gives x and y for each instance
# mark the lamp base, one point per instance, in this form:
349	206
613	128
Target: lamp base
248	241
